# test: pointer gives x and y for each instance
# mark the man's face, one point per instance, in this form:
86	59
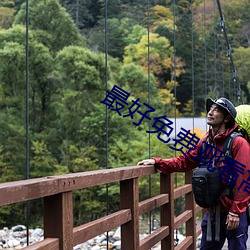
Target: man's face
215	116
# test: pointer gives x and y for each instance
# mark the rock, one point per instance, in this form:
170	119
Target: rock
16	238
3	233
38	232
19	234
111	239
103	243
23	240
91	242
95	248
18	228
100	238
111	233
18	247
117	244
117	235
80	246
13	243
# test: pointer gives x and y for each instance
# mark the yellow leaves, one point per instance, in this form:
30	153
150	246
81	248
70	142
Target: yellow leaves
179	66
166	96
159	53
203	114
171	85
188	107
6	17
161	16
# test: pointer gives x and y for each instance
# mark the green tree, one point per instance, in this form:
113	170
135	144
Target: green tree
6	17
42	163
117	31
242	64
53	25
13	60
84	13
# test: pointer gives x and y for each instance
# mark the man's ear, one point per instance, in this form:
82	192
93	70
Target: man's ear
228	118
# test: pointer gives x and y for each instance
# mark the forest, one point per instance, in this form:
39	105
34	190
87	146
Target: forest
169	55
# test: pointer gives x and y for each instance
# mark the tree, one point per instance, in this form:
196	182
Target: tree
242	64
6	17
40	60
84	13
135	81
117	31
78	75
161	16
53	25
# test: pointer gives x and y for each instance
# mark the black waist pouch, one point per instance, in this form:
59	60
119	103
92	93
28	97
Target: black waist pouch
206	186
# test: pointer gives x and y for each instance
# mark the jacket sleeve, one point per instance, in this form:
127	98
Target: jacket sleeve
180	163
241	154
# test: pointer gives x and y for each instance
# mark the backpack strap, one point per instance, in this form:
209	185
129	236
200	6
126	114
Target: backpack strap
227	147
227	150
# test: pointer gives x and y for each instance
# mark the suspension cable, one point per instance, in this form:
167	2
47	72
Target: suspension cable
149	122
192	77
229	53
27	207
215	54
175	95
205	50
174	61
107	120
192	24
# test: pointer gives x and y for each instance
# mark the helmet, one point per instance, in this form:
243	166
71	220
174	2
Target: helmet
223	103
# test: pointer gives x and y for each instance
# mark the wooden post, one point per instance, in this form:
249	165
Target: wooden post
167	210
58	219
129	197
190	205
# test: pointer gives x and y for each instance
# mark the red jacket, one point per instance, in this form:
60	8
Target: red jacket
240	152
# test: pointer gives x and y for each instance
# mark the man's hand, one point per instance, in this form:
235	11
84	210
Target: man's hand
232	221
146	162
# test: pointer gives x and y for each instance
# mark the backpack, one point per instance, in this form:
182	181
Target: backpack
243	120
206	182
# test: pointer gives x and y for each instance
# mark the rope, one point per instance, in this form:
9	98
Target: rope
27	207
205	51
229	54
149	122
174	75
107	120
215	53
222	70
175	94
192	22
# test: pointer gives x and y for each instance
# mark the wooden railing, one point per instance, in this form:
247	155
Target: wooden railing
56	192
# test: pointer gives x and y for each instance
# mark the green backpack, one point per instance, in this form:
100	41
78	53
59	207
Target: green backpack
243	119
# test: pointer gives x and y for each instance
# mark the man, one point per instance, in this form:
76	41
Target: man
221	115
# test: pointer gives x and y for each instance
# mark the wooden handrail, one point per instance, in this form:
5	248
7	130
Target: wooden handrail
58	208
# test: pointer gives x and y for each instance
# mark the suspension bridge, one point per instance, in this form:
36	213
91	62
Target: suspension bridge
56	192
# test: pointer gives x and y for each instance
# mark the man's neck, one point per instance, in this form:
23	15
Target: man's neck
216	130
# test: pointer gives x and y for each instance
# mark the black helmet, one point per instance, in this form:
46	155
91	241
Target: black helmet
223	103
